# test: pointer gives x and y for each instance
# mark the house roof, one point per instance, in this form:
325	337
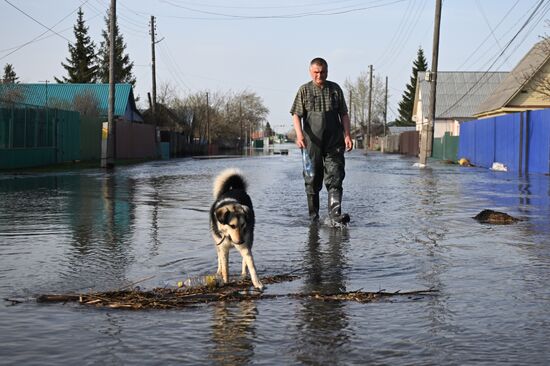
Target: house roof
53	94
516	80
396	130
458	92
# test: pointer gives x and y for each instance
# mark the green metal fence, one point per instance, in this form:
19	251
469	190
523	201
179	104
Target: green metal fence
446	147
34	136
90	138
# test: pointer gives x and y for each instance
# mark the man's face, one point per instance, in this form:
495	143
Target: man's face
318	74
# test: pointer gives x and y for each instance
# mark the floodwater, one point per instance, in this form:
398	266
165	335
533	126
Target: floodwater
411	229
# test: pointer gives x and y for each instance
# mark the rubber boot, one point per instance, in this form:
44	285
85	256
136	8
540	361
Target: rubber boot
313	206
335	208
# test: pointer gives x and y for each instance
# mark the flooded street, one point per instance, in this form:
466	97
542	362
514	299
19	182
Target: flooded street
411	229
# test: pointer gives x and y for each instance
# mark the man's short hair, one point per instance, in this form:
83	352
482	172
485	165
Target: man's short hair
319	61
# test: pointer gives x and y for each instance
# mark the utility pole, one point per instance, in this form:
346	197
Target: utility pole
111	138
207	122
426	136
350	110
370	109
241	120
386	107
154	85
46	82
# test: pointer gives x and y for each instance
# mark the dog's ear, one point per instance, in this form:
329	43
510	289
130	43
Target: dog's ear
222	215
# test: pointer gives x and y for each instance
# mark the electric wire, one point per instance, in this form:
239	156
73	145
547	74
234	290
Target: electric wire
508	44
39	37
37	21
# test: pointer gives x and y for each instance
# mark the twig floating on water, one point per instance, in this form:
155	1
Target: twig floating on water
166	298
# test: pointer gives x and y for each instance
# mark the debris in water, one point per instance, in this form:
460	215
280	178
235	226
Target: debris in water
495	217
174	298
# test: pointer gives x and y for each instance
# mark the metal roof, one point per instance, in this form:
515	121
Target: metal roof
53	94
458	92
515	81
396	130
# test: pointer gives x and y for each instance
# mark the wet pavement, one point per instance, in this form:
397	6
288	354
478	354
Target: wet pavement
411	229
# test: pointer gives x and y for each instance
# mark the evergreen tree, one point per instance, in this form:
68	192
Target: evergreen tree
10	77
81	66
407	103
123	65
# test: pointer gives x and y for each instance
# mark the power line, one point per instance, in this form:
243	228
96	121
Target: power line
323	12
529	19
39	37
467	60
45	26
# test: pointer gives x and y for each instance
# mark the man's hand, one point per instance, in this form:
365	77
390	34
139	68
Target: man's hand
349	143
301	142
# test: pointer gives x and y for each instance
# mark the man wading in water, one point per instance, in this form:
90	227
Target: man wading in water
321	106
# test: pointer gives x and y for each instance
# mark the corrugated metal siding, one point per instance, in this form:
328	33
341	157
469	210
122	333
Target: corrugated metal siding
62	95
446	147
90	138
538	136
409	143
135	141
520	141
34	136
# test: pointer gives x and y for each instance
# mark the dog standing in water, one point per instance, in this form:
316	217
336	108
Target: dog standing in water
232	223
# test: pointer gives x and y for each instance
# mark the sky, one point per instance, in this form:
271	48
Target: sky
265	46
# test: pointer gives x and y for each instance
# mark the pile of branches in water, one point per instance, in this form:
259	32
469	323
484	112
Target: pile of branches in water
170	298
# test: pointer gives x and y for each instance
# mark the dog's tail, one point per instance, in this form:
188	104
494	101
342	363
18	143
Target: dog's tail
227	180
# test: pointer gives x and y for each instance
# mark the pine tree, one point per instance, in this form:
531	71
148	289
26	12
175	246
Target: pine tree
10	77
81	65
407	103
123	65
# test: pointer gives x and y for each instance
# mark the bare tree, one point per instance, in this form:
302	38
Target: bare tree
228	114
11	93
87	104
360	99
539	79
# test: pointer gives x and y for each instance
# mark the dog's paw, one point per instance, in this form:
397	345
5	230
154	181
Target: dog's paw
258	286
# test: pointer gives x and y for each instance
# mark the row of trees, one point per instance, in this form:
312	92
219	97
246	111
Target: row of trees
219	117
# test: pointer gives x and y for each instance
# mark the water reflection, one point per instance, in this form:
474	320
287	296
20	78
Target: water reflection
322	325
101	222
233	333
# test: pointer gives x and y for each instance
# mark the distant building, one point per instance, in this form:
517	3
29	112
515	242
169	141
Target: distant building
70	96
396	130
526	87
458	97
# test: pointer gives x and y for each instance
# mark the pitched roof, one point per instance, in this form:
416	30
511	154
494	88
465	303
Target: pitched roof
458	92
52	94
396	130
516	80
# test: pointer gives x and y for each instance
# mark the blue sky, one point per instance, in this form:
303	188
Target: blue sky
265	45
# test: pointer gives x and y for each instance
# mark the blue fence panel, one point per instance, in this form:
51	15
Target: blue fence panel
466	143
507	143
520	141
485	143
538	151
